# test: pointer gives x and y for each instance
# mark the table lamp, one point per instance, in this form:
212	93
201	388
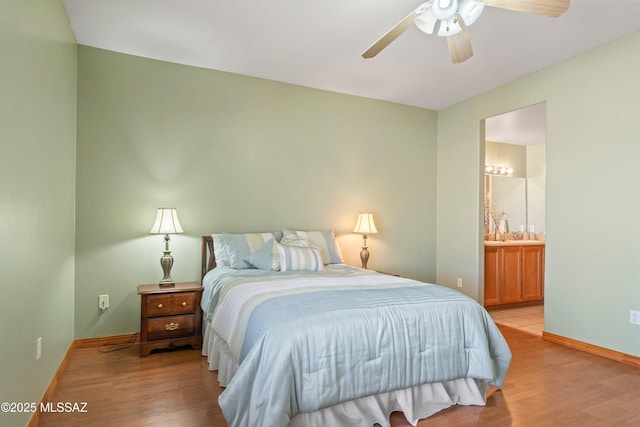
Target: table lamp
364	226
166	223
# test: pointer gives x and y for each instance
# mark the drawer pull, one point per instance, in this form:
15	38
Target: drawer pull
184	303
159	305
172	326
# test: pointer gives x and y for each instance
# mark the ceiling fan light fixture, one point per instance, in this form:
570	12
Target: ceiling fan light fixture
426	22
469	10
444	10
449	28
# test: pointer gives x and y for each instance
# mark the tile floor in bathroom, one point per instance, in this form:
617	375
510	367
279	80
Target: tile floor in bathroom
529	319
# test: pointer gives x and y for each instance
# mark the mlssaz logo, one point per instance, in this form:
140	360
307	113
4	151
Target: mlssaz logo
63	407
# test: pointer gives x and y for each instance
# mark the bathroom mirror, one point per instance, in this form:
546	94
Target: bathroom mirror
509	195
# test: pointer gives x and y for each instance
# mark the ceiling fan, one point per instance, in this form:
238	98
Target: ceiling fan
450	19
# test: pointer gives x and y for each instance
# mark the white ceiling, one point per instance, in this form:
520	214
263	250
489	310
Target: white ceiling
318	43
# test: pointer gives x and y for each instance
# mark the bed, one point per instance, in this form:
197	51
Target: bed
305	340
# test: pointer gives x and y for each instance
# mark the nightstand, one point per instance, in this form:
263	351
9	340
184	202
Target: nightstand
170	317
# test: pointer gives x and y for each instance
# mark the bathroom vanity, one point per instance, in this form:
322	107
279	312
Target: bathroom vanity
513	272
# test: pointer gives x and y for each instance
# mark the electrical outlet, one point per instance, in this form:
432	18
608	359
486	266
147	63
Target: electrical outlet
459	282
103	302
38	348
634	317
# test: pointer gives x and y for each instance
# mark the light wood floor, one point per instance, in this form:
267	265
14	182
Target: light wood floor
547	385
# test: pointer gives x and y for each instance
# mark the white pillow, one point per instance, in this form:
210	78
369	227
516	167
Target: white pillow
220	250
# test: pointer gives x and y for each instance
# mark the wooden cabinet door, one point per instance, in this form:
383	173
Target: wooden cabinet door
511	274
492	269
532	273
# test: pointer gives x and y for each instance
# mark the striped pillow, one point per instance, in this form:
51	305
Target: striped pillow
325	240
293	258
291	239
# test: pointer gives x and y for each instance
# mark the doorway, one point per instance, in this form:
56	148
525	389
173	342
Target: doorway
514	217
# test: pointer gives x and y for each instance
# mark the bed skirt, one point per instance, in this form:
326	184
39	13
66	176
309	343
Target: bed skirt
415	402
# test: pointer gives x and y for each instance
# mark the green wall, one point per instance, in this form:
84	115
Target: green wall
593	191
37	196
237	154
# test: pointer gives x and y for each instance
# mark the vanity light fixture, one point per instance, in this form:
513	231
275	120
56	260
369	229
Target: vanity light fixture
364	226
166	223
497	170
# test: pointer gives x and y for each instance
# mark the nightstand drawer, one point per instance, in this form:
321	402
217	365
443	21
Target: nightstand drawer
184	302
170	327
164	305
159	305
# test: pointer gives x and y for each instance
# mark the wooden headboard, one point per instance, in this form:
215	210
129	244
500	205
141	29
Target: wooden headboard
208	256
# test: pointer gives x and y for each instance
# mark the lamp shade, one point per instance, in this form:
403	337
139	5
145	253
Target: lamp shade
365	224
166	222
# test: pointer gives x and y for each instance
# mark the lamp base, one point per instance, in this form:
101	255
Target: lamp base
166	262
364	256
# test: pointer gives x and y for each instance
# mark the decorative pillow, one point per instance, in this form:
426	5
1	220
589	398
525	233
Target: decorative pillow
295	258
291	239
240	246
266	257
220	250
325	240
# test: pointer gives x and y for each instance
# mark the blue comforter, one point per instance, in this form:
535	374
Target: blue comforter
308	341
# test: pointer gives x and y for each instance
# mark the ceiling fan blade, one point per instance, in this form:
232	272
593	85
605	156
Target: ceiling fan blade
551	8
460	43
391	35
